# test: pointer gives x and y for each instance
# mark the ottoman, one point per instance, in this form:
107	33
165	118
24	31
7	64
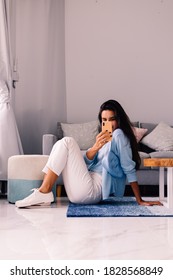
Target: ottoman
24	174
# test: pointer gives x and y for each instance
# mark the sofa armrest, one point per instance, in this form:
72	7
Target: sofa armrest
48	141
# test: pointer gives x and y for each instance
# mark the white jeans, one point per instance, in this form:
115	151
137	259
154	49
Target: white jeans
81	185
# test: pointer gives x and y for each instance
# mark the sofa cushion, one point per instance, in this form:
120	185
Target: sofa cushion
160	138
59	131
149	126
135	124
139	133
84	133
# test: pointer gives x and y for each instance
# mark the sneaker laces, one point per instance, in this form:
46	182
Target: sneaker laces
34	189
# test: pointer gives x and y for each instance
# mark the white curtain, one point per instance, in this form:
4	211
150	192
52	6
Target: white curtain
5	53
10	143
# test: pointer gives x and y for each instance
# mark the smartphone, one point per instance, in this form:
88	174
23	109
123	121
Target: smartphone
107	126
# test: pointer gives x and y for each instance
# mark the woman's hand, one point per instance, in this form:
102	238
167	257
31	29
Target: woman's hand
139	200
149	203
101	139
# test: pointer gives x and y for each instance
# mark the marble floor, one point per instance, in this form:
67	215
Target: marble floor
47	234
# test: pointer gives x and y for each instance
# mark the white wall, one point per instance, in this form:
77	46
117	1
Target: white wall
40	99
120	49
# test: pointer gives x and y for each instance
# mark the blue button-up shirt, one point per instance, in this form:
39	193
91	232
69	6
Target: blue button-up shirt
114	162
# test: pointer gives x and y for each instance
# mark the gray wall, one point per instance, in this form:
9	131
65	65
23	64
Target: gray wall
121	49
40	98
92	51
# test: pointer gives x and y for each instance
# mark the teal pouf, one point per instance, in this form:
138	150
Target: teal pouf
24	174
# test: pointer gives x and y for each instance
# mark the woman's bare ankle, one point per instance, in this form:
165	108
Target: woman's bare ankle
44	190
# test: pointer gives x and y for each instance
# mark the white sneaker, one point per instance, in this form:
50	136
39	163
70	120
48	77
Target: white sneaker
36	198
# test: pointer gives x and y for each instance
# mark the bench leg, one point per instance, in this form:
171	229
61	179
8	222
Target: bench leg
170	187
161	183
58	191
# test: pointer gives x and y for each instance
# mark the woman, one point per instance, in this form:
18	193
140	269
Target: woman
104	169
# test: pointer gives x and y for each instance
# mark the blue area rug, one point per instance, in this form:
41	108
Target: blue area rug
118	207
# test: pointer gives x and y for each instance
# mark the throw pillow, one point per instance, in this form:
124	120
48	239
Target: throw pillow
139	133
160	139
84	133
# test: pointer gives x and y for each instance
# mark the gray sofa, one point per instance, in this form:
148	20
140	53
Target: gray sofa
151	145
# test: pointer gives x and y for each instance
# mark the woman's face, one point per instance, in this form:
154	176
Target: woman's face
108	115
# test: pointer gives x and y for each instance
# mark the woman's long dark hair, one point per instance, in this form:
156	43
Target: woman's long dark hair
124	123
